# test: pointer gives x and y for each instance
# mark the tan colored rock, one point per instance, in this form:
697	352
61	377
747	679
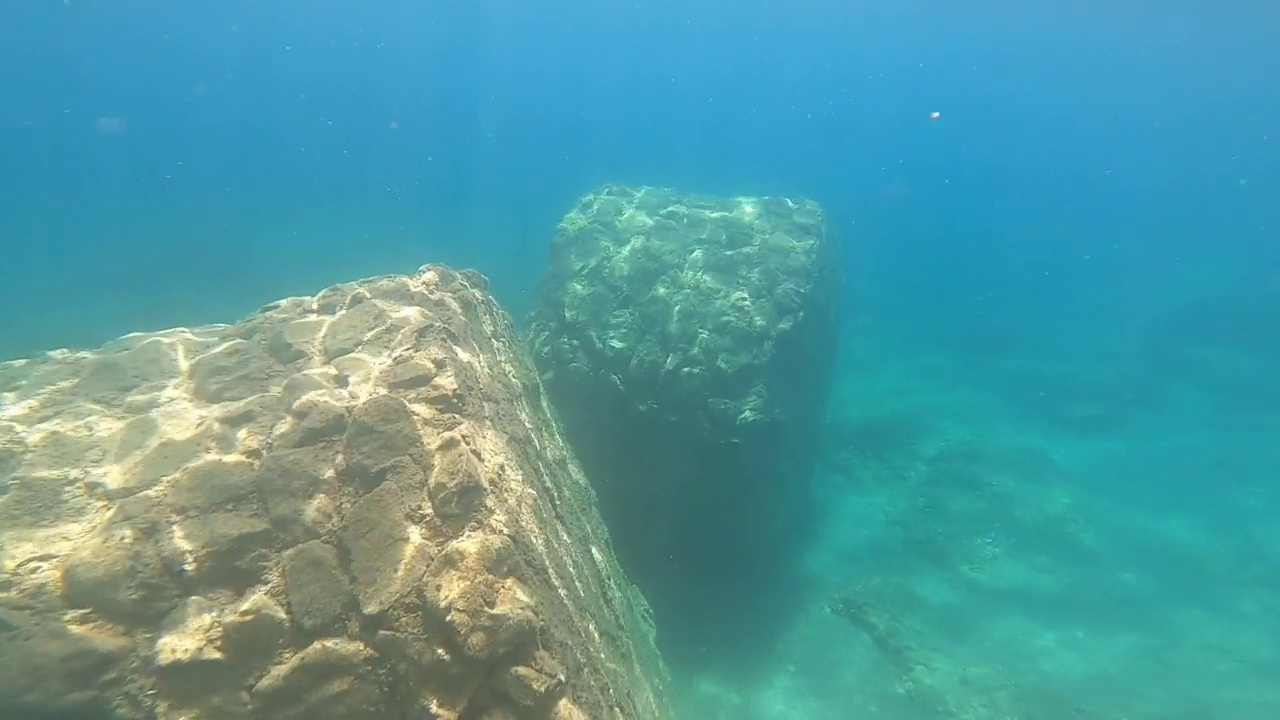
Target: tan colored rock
348	506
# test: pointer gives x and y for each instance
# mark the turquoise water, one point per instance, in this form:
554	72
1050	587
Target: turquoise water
1059	534
1050	464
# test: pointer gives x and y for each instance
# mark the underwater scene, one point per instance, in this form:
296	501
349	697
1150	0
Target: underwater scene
696	360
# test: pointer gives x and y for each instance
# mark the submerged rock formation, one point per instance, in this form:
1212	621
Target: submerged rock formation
687	344
342	507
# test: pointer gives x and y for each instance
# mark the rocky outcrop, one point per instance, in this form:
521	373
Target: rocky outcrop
347	506
687	343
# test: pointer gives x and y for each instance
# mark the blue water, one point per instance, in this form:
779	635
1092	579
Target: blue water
1070	279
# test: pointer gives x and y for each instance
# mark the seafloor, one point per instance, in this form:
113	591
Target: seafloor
1086	532
1083	533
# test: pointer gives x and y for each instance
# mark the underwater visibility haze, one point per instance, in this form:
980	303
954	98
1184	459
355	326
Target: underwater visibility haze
1031	251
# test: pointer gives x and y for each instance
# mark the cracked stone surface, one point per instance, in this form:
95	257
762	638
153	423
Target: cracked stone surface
353	505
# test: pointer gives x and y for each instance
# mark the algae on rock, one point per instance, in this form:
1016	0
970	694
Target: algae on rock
687	344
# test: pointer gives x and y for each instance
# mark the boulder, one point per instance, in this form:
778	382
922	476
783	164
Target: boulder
354	505
687	343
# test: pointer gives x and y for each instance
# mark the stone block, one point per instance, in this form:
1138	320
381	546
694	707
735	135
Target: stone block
349	506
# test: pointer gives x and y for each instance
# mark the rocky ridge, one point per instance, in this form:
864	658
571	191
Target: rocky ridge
353	505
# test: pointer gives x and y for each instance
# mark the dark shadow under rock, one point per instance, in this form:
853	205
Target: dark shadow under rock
687	345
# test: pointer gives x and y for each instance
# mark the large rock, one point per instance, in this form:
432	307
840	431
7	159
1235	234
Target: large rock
687	343
349	506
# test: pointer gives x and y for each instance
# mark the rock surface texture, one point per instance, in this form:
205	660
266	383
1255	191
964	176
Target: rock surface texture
347	507
687	343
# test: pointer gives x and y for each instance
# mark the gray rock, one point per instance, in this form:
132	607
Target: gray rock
388	559
292	484
46	670
382	430
217	484
319	592
687	343
119	573
224	549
